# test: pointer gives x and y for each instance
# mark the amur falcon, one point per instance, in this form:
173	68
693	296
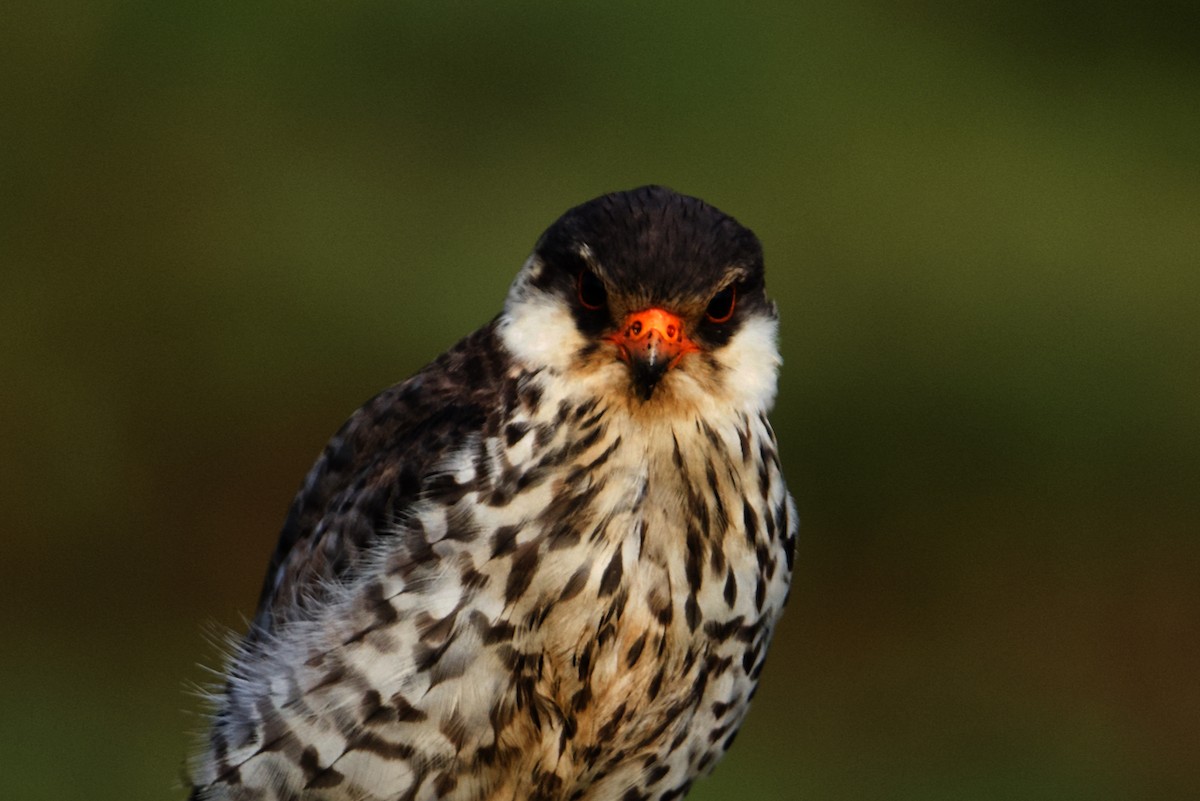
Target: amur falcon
548	565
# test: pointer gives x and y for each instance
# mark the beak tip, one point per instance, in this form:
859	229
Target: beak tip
646	375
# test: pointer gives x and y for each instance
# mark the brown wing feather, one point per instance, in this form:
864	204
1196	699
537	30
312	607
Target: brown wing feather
375	466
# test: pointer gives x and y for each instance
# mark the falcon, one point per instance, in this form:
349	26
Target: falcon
547	566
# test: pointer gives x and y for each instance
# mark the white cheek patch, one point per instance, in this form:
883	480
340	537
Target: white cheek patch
540	332
751	363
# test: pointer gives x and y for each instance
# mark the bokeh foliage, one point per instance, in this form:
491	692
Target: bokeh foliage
224	225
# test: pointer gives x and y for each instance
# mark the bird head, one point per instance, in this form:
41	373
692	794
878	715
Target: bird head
651	296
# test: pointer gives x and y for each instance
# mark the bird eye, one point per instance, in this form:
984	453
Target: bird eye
592	294
720	308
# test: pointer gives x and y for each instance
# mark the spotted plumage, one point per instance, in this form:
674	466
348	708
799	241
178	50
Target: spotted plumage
547	566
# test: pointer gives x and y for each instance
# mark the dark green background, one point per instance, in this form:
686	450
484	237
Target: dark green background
222	227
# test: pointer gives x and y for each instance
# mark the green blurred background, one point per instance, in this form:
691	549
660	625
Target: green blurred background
224	226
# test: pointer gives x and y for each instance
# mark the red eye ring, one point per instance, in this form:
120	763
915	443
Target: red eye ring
717	311
592	294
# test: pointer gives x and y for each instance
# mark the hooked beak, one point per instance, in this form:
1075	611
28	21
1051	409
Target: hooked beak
651	342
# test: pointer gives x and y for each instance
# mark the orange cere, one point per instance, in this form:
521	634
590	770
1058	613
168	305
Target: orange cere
653	333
